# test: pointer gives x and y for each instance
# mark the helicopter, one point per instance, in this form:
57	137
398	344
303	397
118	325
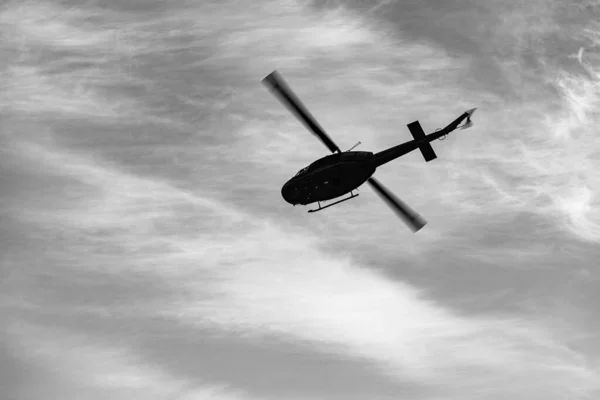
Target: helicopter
341	173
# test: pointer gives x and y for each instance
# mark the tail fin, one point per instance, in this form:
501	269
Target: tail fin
468	123
419	135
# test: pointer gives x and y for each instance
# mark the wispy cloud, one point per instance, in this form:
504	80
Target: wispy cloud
124	223
79	368
257	280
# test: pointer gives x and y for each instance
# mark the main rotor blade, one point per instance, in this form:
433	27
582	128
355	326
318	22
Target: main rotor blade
414	220
274	81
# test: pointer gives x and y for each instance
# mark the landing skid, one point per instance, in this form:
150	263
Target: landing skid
352	195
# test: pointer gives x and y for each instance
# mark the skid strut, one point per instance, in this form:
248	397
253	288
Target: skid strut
352	195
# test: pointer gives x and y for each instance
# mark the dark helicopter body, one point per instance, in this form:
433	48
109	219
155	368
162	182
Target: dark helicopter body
343	172
329	177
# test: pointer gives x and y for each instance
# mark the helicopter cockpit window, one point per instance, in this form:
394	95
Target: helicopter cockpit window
302	171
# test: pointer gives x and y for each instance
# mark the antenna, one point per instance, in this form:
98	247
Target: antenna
353	147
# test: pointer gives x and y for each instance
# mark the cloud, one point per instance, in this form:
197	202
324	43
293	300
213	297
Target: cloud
80	367
563	160
253	278
221	266
61	63
343	307
54	25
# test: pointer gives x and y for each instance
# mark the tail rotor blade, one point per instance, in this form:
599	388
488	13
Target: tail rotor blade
274	81
414	220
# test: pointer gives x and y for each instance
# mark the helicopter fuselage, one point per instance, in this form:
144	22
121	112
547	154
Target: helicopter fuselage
329	177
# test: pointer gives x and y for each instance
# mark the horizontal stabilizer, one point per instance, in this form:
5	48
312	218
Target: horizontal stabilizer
419	135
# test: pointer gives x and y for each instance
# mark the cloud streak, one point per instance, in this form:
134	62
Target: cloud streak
266	282
100	370
123	226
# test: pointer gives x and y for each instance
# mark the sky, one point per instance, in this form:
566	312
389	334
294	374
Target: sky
146	252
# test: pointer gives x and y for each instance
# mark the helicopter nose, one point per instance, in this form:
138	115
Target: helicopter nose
288	193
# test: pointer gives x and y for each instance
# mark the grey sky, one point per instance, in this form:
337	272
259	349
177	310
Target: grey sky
146	252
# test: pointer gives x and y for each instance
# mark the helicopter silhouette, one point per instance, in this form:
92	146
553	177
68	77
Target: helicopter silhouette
341	173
